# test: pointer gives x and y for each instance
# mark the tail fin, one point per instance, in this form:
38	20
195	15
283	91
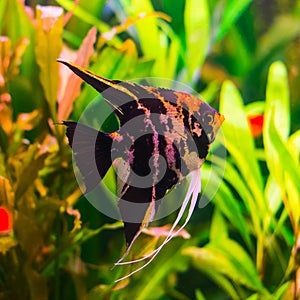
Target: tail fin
92	152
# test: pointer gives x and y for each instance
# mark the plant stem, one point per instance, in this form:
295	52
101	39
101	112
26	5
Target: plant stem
297	267
56	266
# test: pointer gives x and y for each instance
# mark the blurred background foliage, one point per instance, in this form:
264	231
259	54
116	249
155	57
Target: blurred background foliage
242	57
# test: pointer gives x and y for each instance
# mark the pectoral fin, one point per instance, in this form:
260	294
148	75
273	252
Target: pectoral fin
92	152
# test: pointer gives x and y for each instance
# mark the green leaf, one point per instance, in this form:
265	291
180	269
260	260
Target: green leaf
233	10
21	27
279	294
81	27
197	30
284	169
142	69
84	15
239	142
272	194
6	243
203	260
25	85
234	214
6	193
281	162
156	38
277	96
170	49
47	49
199	295
230	208
28	169
294	145
272	42
228	258
218	229
147	28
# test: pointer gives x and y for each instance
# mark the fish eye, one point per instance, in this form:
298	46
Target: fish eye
208	118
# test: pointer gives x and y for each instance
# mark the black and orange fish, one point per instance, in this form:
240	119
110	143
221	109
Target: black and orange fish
163	137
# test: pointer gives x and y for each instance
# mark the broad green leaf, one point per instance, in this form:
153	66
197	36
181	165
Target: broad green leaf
228	258
142	69
79	26
171	57
218	229
253	297
257	107
170	49
294	146
199	295
48	46
155	43
127	61
282	289
233	10
238	62
22	25
272	42
223	282
84	15
169	260
197	30
277	97
231	209
280	160
147	28
239	142
284	169
272	194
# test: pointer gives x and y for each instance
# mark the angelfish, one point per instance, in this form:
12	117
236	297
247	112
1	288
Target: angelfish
168	140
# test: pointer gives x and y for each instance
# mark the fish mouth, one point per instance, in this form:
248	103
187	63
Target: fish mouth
220	118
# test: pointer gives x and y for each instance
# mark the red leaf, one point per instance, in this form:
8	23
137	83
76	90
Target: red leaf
70	89
256	124
5	220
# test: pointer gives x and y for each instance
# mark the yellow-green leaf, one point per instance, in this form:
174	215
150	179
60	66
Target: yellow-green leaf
6	242
48	46
228	258
277	96
240	144
197	27
6	193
